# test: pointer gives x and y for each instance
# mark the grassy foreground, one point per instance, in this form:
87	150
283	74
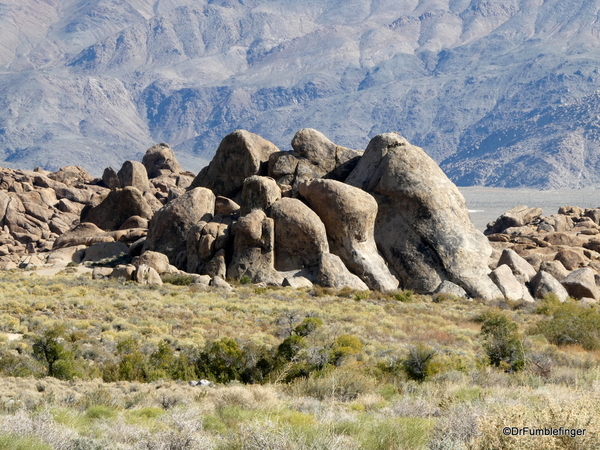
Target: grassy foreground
292	369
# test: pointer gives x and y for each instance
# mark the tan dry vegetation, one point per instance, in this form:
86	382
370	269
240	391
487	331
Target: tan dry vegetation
362	400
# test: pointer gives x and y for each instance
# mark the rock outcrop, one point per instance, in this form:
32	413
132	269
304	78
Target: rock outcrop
320	214
349	217
240	155
168	228
423	227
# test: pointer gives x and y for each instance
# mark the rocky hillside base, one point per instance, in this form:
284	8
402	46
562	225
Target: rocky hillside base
382	219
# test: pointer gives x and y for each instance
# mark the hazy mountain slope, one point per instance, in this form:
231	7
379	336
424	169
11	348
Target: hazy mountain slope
499	92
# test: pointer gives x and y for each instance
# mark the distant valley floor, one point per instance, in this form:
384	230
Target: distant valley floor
487	204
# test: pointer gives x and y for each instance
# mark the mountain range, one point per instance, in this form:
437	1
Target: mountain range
498	92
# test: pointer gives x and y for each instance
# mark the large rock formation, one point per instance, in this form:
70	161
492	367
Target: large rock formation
118	206
423	227
159	158
300	225
240	155
168	228
349	217
300	236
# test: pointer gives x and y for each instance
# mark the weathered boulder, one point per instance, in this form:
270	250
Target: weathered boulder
253	246
581	283
124	271
349	217
519	266
83	234
509	285
571	210
543	284
282	166
104	250
555	268
240	155
156	260
160	157
570	259
134	222
259	193
133	173
593	214
220	283
226	207
110	178
101	273
300	236
299	282
449	288
66	255
334	274
71	175
516	217
118	206
326	158
167	232
423	227
146	275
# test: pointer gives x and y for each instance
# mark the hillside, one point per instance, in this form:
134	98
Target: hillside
501	93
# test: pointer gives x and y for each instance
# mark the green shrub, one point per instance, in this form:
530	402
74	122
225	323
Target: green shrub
417	364
133	365
50	350
308	325
245	280
12	442
222	361
290	347
501	342
344	346
572	324
100	412
404	296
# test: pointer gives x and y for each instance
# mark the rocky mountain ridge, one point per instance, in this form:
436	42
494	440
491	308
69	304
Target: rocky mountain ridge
500	93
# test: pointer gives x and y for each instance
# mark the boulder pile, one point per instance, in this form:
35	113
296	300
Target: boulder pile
535	255
384	219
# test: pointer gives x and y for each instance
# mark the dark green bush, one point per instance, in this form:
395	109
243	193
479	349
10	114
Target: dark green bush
572	324
501	342
308	325
222	361
417	364
50	350
290	347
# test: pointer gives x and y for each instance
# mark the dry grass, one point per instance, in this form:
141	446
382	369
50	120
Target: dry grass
366	403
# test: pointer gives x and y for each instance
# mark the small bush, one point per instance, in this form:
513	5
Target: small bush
417	364
572	324
344	346
404	296
177	279
245	280
11	442
502	342
222	361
